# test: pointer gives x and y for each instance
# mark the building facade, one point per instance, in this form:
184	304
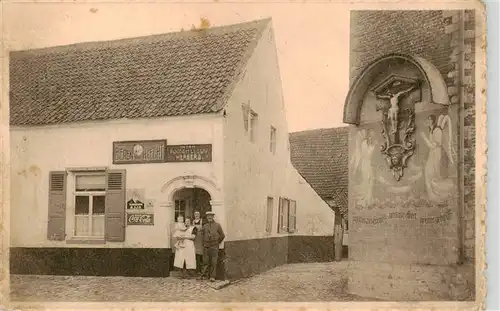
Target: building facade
111	141
411	192
321	157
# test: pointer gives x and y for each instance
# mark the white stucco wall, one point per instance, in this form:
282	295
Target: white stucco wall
252	172
38	150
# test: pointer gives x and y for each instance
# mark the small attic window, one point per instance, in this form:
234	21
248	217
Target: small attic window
253	125
245	109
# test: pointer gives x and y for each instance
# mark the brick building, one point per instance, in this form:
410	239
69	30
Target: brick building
402	212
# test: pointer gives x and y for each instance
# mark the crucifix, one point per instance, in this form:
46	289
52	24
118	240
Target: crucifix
393	106
399	143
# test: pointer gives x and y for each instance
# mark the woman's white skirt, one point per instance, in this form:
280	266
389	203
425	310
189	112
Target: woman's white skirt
185	254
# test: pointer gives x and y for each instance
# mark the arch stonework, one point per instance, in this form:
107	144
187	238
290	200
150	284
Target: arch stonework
433	78
191	181
195	181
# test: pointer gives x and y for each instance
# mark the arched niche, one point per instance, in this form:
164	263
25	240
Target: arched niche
432	80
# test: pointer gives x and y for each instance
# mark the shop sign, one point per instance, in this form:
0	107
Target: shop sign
136	152
189	153
140	219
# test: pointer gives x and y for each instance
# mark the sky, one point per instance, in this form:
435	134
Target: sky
312	41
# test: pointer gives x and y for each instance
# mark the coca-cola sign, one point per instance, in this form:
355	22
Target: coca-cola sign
140	219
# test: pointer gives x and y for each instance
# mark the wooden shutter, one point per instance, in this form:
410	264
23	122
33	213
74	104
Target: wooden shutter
115	206
286	213
269	216
292	218
56	222
280	214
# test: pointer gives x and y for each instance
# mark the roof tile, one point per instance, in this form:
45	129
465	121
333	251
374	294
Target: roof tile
162	75
321	157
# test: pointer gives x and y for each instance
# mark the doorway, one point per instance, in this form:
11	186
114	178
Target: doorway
188	200
185	202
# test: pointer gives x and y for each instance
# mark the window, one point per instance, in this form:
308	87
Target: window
180	208
287	216
272	140
292	219
269	217
253	126
249	121
245	110
93	201
89	200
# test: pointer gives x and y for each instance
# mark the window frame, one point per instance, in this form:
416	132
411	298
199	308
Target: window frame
292	216
284	215
269	214
252	124
90	194
72	216
272	139
245	111
176	212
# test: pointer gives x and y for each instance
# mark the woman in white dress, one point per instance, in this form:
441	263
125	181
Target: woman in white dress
185	256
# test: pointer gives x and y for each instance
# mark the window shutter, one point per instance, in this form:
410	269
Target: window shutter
115	206
286	213
269	216
56	222
280	215
292	216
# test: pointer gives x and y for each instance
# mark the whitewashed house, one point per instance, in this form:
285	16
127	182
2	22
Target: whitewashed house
111	140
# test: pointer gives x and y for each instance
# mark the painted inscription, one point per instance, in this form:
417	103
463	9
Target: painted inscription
133	152
444	217
189	153
140	219
437	219
402	215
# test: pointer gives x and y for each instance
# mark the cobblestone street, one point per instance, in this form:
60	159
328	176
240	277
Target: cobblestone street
293	282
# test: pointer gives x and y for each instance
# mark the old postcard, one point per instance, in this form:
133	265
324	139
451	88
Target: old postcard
243	155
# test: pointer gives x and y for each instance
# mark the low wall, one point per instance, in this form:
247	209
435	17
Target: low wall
139	262
239	259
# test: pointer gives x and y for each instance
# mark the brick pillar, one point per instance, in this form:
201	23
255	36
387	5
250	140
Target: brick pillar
469	133
460	26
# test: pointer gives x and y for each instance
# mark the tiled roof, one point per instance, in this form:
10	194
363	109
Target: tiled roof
188	72
321	157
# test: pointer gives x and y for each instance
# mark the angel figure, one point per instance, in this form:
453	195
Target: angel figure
438	185
393	111
361	162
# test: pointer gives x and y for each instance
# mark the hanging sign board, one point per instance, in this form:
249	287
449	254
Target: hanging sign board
138	152
189	153
139	219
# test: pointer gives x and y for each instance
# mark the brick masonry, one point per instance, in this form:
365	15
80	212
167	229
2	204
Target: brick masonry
435	36
385	261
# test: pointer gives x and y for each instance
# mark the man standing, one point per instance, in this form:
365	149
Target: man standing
212	237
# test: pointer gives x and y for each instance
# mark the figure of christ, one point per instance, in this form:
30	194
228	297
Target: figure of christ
393	110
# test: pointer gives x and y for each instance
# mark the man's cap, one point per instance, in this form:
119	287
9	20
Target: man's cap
209	213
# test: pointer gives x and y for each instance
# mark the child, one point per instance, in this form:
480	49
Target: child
180	228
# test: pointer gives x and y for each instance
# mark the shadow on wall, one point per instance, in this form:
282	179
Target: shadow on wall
249	257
